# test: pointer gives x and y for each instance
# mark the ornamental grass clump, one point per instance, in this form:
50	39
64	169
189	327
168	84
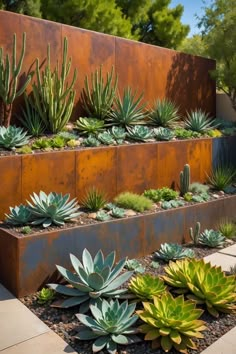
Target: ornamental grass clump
111	324
227	228
94	200
133	201
171	322
145	286
91	279
221	177
206	284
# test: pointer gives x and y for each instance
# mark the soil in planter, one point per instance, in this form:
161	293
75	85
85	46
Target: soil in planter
65	324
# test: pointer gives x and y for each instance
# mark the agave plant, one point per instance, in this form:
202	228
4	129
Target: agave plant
164	113
211	238
13	137
89	125
93	278
31	119
94	200
163	133
222	176
171	322
53	208
199	121
111	325
173	251
19	215
128	110
145	286
139	133
208	284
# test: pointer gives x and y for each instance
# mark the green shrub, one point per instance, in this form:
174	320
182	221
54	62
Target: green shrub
133	201
94	200
227	228
198	188
182	133
162	194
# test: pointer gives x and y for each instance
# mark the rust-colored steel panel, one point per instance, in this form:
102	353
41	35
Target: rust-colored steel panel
28	262
136	167
10	176
88	51
161	72
96	167
49	172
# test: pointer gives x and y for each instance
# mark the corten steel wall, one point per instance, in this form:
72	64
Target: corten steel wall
28	262
156	71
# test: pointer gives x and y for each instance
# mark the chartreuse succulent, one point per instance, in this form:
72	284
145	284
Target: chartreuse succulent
162	194
89	125
111	324
45	295
173	251
139	133
171	322
53	208
19	215
91	279
207	284
13	137
211	238
145	286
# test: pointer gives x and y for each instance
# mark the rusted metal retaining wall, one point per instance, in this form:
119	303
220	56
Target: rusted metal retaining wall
28	262
156	71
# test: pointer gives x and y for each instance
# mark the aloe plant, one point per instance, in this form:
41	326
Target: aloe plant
98	100
164	113
91	279
9	75
145	286
89	125
12	137
139	133
19	215
53	208
171	322
173	251
111	324
207	284
211	238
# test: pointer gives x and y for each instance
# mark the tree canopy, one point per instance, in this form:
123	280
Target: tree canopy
149	21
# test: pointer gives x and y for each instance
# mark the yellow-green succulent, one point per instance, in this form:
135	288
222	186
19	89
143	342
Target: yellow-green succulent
146	286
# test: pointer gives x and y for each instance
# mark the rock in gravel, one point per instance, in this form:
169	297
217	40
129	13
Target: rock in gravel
130	212
92	215
216	196
221	193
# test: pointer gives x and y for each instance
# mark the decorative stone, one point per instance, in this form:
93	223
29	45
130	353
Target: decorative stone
130	212
92	215
216	196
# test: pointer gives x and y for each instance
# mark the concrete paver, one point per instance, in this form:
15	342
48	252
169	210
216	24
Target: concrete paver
231	251
224	345
45	343
220	259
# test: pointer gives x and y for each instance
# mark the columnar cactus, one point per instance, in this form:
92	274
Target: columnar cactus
194	234
9	73
184	180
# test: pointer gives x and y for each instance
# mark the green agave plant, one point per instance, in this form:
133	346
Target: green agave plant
140	133
128	110
145	286
92	278
163	134
208	284
89	125
111	325
221	176
19	215
53	208
164	113
199	121
12	137
171	322
173	251
211	238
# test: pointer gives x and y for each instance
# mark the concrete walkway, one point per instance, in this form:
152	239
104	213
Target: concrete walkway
21	332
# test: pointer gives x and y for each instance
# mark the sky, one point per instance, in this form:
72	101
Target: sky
191	7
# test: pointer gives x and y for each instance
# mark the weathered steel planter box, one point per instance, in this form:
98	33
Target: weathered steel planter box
112	169
28	262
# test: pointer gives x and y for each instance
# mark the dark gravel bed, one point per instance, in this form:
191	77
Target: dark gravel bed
65	324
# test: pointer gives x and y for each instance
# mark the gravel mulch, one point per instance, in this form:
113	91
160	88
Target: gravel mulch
65	324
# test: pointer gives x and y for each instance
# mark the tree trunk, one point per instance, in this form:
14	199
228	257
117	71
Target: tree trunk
5	113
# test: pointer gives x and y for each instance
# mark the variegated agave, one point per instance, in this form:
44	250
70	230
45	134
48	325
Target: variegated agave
93	278
171	322
111	325
53	208
208	284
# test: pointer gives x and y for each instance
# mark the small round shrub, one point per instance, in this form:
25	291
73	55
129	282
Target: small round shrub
133	201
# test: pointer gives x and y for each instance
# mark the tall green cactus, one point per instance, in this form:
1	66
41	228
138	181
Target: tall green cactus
194	234
53	97
9	74
184	180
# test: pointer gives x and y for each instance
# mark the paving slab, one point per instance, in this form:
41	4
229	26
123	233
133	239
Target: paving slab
224	345
42	344
17	322
231	251
220	259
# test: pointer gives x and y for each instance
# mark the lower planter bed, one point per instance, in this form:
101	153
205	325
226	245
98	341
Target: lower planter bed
28	262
